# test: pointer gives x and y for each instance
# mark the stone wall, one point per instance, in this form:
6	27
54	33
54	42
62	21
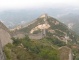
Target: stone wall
35	36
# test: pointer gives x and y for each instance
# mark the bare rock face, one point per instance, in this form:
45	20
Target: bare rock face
2	56
3	27
4	35
5	38
65	53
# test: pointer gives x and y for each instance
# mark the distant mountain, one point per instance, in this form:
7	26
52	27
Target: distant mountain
12	18
72	21
46	26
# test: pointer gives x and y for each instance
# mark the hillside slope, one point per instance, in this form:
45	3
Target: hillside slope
45	38
72	21
46	26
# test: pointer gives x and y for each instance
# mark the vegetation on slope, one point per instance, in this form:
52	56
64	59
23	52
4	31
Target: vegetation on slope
26	49
44	49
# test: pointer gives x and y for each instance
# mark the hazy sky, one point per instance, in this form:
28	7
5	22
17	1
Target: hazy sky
21	4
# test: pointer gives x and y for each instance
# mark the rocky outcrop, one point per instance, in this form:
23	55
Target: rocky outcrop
5	36
2	57
65	53
3	27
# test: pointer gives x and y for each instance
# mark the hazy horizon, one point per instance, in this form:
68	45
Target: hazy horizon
14	12
35	4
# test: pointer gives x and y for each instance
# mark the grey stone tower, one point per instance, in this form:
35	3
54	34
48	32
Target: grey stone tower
45	22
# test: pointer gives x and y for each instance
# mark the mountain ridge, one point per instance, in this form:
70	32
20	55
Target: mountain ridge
45	38
50	27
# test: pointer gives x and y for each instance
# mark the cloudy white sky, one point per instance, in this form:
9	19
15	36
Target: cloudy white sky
21	4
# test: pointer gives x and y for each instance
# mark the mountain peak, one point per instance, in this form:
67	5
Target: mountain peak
43	15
